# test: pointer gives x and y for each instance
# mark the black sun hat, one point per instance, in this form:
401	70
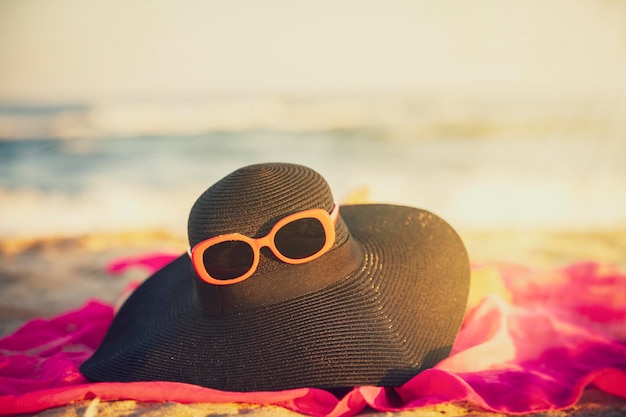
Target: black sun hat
378	299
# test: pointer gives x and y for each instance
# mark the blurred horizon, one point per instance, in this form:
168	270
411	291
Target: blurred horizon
494	114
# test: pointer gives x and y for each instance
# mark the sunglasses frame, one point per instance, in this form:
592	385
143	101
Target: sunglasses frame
327	220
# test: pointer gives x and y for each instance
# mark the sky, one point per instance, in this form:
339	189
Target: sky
84	50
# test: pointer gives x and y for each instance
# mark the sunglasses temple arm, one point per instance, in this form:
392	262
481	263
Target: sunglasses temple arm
334	214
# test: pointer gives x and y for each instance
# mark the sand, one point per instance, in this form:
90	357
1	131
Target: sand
43	277
594	403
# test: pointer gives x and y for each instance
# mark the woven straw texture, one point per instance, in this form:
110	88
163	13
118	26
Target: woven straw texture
397	313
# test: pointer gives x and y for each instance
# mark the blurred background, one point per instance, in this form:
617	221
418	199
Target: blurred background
507	118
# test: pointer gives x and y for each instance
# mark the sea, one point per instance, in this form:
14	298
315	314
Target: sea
71	169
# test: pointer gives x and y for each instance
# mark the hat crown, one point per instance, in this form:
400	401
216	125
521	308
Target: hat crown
252	199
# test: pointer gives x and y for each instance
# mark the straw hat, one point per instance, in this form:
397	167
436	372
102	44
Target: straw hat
382	301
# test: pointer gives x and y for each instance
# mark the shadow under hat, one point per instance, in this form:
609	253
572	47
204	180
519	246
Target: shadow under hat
384	303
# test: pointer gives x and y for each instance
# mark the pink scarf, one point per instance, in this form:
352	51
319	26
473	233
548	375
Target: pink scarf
560	332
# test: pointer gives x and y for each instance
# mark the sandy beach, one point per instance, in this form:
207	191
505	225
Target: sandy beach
593	404
44	277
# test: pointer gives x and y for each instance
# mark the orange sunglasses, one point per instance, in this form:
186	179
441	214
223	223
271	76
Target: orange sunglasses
298	238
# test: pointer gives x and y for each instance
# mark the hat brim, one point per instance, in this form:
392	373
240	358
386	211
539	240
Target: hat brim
398	313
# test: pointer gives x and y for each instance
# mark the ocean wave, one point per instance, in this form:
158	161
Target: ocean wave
393	116
30	213
478	203
115	175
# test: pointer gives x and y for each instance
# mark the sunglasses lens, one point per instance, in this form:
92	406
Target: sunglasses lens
301	238
228	260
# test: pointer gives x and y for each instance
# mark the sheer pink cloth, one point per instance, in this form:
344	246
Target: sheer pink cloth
562	331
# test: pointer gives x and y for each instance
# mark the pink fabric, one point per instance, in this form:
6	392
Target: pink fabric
563	331
151	263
